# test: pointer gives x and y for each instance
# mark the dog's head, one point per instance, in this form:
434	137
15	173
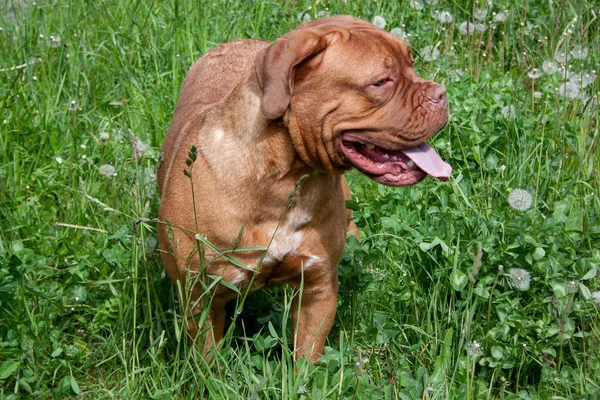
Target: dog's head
350	97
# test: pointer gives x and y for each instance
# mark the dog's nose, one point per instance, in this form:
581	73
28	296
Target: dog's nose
436	93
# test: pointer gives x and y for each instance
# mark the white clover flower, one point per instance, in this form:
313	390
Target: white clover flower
107	170
509	112
520	199
467	28
445	17
416	4
480	13
519	279
323	14
379	22
399	32
579	52
59	160
550	67
432	2
537	95
104	136
430	53
475	349
534	73
569	90
501	16
596	298
561	57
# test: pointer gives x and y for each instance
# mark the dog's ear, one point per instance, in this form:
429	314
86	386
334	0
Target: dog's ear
275	67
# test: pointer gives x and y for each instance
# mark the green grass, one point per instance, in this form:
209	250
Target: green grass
86	311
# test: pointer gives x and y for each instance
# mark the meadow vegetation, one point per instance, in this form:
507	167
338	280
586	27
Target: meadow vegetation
482	287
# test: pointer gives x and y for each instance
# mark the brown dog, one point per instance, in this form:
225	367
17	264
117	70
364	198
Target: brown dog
333	94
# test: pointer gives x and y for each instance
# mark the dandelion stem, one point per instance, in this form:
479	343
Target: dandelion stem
489	311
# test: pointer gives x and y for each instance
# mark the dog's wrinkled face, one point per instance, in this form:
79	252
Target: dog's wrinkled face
355	100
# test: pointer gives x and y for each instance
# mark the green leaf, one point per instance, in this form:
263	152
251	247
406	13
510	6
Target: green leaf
538	253
497	352
458	279
425	246
592	273
218	279
23	384
561	289
482	292
56	352
574	221
272	330
75	386
7	368
586	294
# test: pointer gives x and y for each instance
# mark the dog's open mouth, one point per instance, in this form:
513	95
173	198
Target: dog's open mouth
395	167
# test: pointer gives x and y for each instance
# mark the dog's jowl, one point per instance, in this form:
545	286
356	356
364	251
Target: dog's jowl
268	120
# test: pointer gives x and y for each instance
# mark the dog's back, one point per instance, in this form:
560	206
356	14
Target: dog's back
207	82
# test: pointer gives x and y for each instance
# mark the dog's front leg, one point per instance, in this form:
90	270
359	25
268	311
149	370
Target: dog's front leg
313	312
205	331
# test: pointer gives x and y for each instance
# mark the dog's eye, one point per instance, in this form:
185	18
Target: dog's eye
382	82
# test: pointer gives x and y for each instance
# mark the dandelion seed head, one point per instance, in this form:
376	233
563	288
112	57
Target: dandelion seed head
139	148
509	112
537	95
480	13
399	32
502	16
73	106
519	279
596	298
54	41
583	79
550	67
480	27
561	57
475	349
534	73
569	90
573	287
445	17
432	2
104	136
467	28
579	52
430	53
304	17
416	4
379	22
520	199
107	170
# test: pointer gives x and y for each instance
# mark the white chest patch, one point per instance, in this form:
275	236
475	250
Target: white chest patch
287	238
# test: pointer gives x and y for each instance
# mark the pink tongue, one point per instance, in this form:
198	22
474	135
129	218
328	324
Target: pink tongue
429	161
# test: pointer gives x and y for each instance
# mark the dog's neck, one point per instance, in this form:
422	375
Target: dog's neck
245	143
